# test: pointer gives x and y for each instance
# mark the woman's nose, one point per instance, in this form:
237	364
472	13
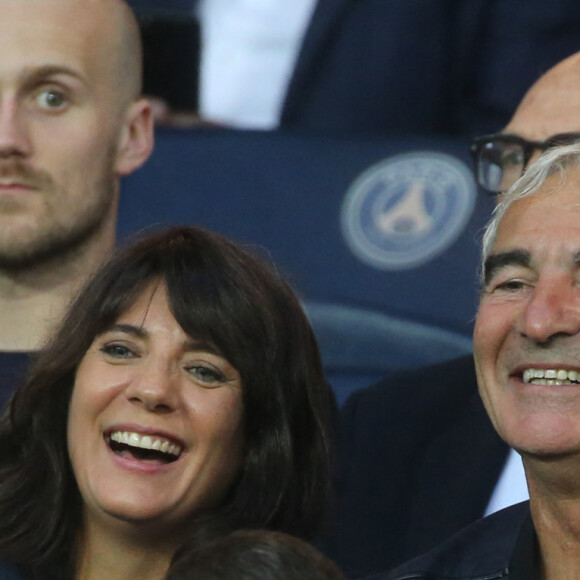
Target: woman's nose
155	387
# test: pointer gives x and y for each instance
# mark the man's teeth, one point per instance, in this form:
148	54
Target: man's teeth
551	376
146	442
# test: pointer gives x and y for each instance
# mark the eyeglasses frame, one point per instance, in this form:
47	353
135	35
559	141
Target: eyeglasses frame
528	147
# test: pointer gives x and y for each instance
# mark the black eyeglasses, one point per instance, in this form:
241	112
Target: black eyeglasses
501	159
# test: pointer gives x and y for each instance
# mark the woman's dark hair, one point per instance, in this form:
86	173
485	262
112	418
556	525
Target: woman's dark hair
218	293
255	555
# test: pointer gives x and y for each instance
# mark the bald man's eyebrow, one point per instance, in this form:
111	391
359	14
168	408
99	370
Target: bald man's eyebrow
502	260
46	72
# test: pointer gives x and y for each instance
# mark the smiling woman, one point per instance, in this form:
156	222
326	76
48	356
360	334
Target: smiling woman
182	398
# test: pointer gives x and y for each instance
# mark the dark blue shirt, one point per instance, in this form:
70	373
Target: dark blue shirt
13	366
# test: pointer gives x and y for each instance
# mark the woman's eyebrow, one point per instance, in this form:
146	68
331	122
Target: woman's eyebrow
192	345
131	329
501	260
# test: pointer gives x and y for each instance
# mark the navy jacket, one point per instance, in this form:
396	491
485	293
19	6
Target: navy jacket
502	545
424	66
378	67
419	461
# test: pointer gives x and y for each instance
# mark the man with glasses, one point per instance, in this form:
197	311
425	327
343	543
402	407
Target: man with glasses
420	457
548	115
526	349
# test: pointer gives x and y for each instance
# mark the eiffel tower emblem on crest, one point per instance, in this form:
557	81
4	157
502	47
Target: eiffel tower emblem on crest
405	210
409	215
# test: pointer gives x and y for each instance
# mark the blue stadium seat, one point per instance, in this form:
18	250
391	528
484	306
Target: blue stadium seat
379	237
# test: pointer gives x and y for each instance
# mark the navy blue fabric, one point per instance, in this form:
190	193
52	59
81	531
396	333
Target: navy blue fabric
419	461
185	6
451	66
519	42
9	572
283	193
12	368
482	551
376	67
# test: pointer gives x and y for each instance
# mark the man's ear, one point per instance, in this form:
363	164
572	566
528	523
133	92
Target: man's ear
136	138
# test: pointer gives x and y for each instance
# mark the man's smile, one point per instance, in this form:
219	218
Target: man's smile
551	376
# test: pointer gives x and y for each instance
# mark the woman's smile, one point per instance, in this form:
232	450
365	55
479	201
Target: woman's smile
142	449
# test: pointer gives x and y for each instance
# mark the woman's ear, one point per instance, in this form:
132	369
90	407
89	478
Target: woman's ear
136	138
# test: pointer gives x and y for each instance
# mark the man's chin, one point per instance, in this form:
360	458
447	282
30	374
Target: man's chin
14	203
22	253
547	439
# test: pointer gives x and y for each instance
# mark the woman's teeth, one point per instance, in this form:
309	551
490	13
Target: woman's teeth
146	442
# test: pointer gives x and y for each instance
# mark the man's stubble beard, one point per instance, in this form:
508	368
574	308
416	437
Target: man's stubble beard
50	241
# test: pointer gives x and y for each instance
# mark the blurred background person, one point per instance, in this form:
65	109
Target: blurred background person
452	67
72	123
181	398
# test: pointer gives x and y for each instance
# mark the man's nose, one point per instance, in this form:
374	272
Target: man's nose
553	309
14	130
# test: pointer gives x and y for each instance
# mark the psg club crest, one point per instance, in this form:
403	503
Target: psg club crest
408	209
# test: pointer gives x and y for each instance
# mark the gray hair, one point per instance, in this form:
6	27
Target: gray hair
554	161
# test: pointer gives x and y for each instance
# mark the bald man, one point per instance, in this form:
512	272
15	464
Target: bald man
546	117
420	458
552	105
72	123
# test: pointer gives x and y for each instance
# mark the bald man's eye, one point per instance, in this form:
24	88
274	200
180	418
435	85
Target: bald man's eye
51	99
513	158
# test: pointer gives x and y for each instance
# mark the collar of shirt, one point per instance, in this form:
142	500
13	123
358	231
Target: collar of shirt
249	50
